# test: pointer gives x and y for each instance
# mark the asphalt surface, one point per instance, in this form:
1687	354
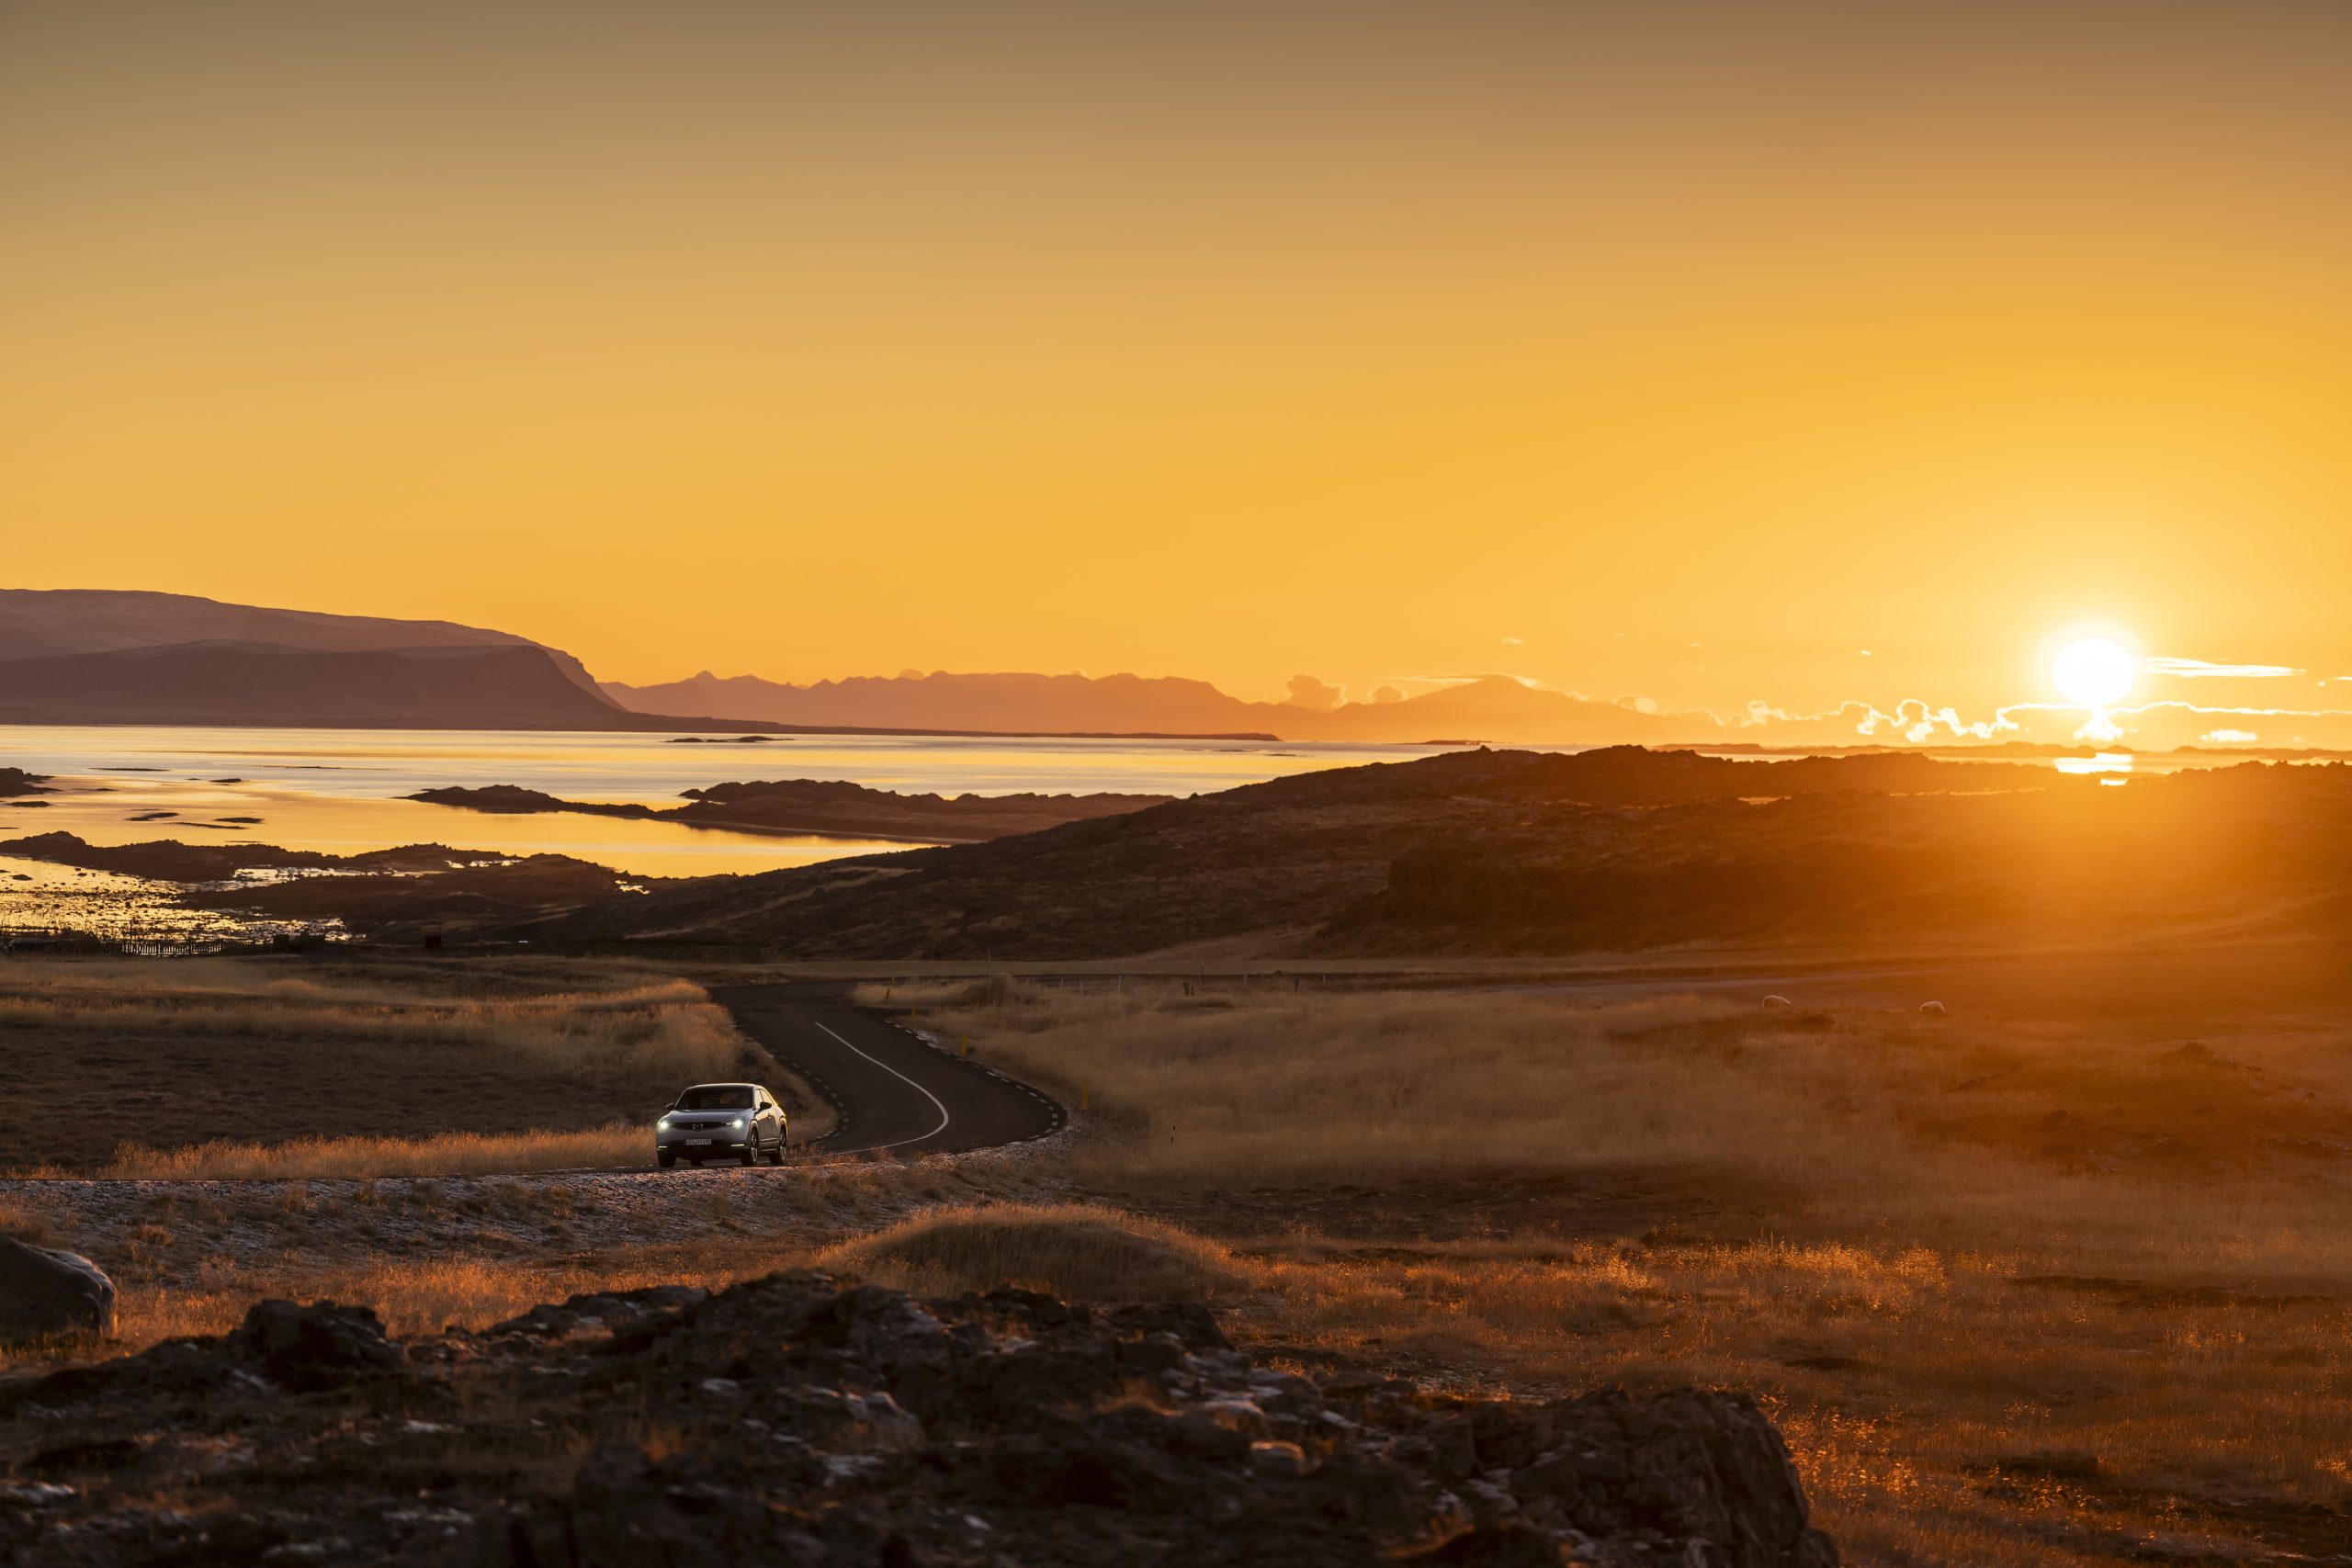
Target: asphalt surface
891	1089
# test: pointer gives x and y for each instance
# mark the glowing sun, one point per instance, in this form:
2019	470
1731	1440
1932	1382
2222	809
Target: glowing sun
2094	671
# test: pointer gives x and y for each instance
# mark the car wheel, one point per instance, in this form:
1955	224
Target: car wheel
751	1155
775	1155
665	1159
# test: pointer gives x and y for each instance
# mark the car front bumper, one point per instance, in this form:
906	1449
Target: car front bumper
688	1146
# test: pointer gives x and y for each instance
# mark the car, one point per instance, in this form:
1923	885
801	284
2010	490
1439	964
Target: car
722	1121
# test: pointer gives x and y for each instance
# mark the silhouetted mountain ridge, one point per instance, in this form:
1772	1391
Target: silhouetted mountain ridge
498	686
1493	708
90	655
36	622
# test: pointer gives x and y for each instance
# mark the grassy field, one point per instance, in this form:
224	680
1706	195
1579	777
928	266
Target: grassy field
430	1251
294	1066
2049	1285
2061	1277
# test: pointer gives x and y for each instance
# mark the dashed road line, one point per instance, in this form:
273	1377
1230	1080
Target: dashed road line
936	1100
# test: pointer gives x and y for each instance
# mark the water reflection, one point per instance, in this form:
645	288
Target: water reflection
2101	763
339	791
37	897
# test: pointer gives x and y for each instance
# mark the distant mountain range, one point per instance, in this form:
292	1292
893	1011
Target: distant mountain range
76	656
97	655
1494	707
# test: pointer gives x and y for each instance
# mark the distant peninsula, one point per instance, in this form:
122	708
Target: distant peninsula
826	807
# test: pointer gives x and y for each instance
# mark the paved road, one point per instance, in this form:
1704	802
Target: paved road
891	1090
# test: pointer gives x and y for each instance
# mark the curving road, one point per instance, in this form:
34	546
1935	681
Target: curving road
891	1090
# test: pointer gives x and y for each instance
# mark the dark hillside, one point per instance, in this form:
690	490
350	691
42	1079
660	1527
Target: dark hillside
1500	851
503	686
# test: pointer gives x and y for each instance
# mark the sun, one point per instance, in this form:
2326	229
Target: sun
2094	671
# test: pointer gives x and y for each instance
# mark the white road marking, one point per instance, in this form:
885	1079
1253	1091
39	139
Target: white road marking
903	1078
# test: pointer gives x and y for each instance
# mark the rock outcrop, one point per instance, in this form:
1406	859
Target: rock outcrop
797	1420
45	1294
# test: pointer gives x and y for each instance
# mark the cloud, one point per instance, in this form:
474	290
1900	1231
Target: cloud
1514	642
2100	728
1911	720
2204	670
1316	695
2155	726
1387	695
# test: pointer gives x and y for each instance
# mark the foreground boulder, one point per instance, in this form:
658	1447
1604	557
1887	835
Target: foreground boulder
45	1294
317	1346
794	1420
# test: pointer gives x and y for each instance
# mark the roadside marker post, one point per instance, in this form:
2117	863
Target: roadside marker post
1085	1096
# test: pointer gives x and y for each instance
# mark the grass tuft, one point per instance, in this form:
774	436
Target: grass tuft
1064	1250
618	1145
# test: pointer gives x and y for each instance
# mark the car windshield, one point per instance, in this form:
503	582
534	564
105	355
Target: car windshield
722	1097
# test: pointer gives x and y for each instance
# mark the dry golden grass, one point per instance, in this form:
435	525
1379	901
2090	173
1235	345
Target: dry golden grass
2018	1291
1962	1129
423	1296
1071	1251
236	1052
445	1154
668	1028
21	1225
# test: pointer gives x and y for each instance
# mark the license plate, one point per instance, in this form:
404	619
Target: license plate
697	1143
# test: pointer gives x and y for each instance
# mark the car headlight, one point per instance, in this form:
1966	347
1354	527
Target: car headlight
663	1122
737	1123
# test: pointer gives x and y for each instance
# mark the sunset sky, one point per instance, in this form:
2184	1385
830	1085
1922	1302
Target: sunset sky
1676	350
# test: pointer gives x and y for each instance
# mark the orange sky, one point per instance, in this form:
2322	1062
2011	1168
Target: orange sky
1674	349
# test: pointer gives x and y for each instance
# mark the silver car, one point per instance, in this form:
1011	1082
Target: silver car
721	1120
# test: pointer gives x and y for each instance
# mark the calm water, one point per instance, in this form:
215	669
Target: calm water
340	790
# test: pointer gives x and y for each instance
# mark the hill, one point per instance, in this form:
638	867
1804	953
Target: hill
517	686
1610	850
37	623
88	655
1494	707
